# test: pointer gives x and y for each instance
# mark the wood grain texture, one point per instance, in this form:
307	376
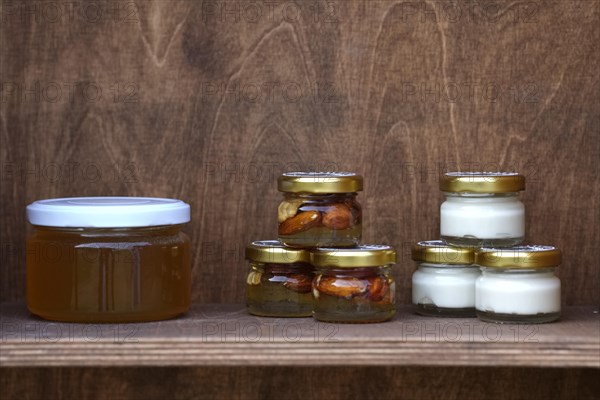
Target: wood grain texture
220	335
210	102
299	383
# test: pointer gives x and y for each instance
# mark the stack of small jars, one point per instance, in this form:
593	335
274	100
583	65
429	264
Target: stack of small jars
480	268
318	266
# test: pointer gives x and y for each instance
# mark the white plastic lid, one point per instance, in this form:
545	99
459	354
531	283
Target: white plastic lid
108	212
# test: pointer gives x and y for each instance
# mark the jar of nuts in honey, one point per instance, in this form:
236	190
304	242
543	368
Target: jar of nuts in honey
108	259
354	285
279	281
319	209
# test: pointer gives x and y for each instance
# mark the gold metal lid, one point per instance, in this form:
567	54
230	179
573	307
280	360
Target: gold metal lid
272	251
519	257
482	182
320	182
364	255
438	252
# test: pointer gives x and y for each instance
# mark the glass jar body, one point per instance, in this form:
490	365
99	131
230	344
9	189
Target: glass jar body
513	295
354	295
444	290
108	275
320	220
479	220
280	290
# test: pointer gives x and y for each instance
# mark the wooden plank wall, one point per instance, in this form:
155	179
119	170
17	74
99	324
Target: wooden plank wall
208	101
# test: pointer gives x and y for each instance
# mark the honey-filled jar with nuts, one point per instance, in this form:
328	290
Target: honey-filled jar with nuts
319	209
354	285
279	280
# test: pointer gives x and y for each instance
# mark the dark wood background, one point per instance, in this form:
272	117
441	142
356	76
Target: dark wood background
210	101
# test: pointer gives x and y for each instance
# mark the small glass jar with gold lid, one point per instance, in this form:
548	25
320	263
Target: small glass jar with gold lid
444	283
482	209
354	285
319	209
279	280
518	284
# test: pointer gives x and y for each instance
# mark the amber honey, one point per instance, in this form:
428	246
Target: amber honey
319	209
125	274
354	285
280	290
279	280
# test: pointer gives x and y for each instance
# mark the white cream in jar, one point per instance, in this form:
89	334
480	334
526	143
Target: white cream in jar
518	285
444	283
482	209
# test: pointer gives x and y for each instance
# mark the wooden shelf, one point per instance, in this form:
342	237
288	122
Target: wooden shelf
219	335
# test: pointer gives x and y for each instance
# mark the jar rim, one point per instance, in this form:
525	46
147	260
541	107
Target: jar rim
525	257
448	267
438	252
519	270
482	182
273	251
363	255
108	212
320	182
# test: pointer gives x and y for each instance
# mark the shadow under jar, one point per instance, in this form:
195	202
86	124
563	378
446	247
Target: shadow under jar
354	285
279	281
482	209
444	283
518	285
319	209
108	259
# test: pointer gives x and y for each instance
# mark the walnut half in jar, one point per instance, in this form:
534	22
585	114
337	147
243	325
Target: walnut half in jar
325	221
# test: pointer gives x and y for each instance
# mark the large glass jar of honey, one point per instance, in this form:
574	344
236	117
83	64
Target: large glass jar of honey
108	259
319	209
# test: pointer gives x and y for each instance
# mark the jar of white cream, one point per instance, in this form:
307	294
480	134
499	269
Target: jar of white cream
444	283
482	209
518	285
